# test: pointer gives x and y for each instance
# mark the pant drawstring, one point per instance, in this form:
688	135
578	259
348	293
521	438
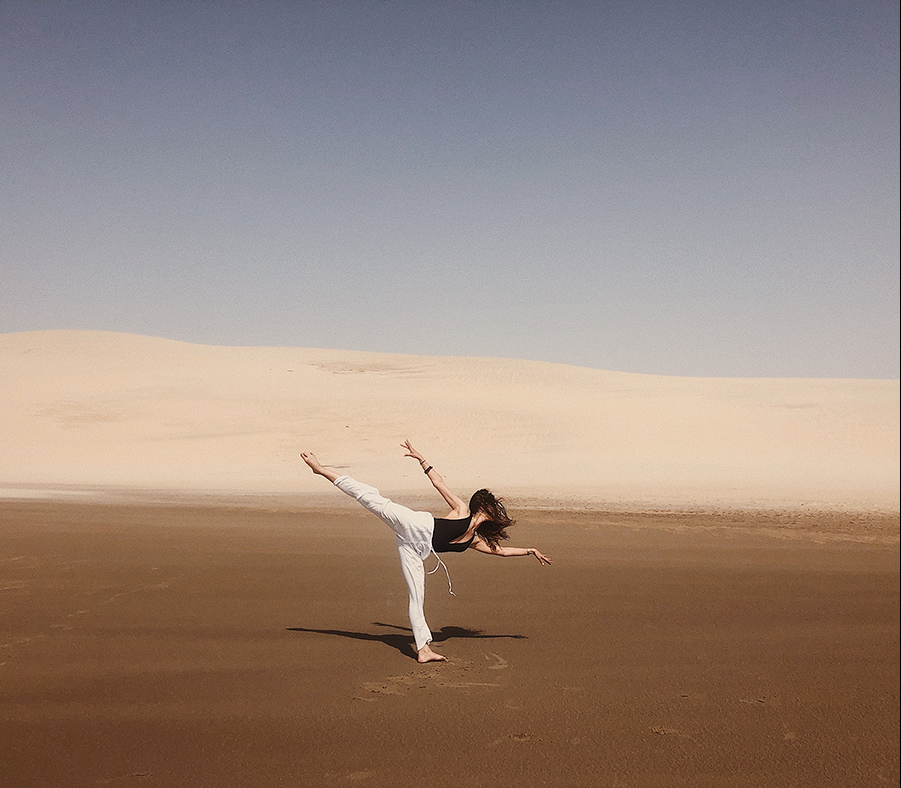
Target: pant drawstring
450	588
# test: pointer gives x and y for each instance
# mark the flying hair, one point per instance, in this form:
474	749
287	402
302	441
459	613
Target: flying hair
494	528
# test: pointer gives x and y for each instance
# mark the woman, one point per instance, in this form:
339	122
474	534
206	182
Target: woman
481	525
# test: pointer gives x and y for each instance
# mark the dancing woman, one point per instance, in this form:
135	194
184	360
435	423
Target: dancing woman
480	525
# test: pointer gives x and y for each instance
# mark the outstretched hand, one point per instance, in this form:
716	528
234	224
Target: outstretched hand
542	558
411	452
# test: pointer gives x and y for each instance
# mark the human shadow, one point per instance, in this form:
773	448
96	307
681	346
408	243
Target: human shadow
402	639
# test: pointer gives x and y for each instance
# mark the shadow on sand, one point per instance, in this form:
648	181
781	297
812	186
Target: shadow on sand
402	638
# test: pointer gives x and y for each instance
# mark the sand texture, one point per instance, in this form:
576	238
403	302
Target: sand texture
184	605
187	647
94	409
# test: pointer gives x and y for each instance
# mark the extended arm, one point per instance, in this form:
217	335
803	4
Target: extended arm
506	552
459	507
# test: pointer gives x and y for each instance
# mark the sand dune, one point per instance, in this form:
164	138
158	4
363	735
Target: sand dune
258	644
98	409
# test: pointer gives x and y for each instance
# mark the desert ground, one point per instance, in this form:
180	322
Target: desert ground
183	604
227	646
96	409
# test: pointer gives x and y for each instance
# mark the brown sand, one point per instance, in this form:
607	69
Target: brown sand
742	632
243	647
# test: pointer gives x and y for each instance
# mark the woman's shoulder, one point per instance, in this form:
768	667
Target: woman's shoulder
458	514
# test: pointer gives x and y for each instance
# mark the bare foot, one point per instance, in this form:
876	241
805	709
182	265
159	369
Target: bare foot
426	654
310	459
317	467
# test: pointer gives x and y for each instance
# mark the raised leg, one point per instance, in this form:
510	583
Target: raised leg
414	528
413	531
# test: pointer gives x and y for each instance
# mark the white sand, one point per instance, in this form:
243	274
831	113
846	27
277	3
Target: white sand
85	409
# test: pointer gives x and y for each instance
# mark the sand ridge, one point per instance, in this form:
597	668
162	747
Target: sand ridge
88	409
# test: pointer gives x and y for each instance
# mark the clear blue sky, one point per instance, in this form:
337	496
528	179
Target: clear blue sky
695	188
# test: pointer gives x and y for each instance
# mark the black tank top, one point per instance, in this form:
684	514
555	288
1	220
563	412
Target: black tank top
447	530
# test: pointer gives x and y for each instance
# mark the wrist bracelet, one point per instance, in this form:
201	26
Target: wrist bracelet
427	470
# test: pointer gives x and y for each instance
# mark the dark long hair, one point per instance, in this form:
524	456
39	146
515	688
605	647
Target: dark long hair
493	529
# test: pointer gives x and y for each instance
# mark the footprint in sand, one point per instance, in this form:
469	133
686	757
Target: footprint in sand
351	776
661	730
521	738
500	662
447	676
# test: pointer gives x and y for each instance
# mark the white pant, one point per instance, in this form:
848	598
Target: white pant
413	531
